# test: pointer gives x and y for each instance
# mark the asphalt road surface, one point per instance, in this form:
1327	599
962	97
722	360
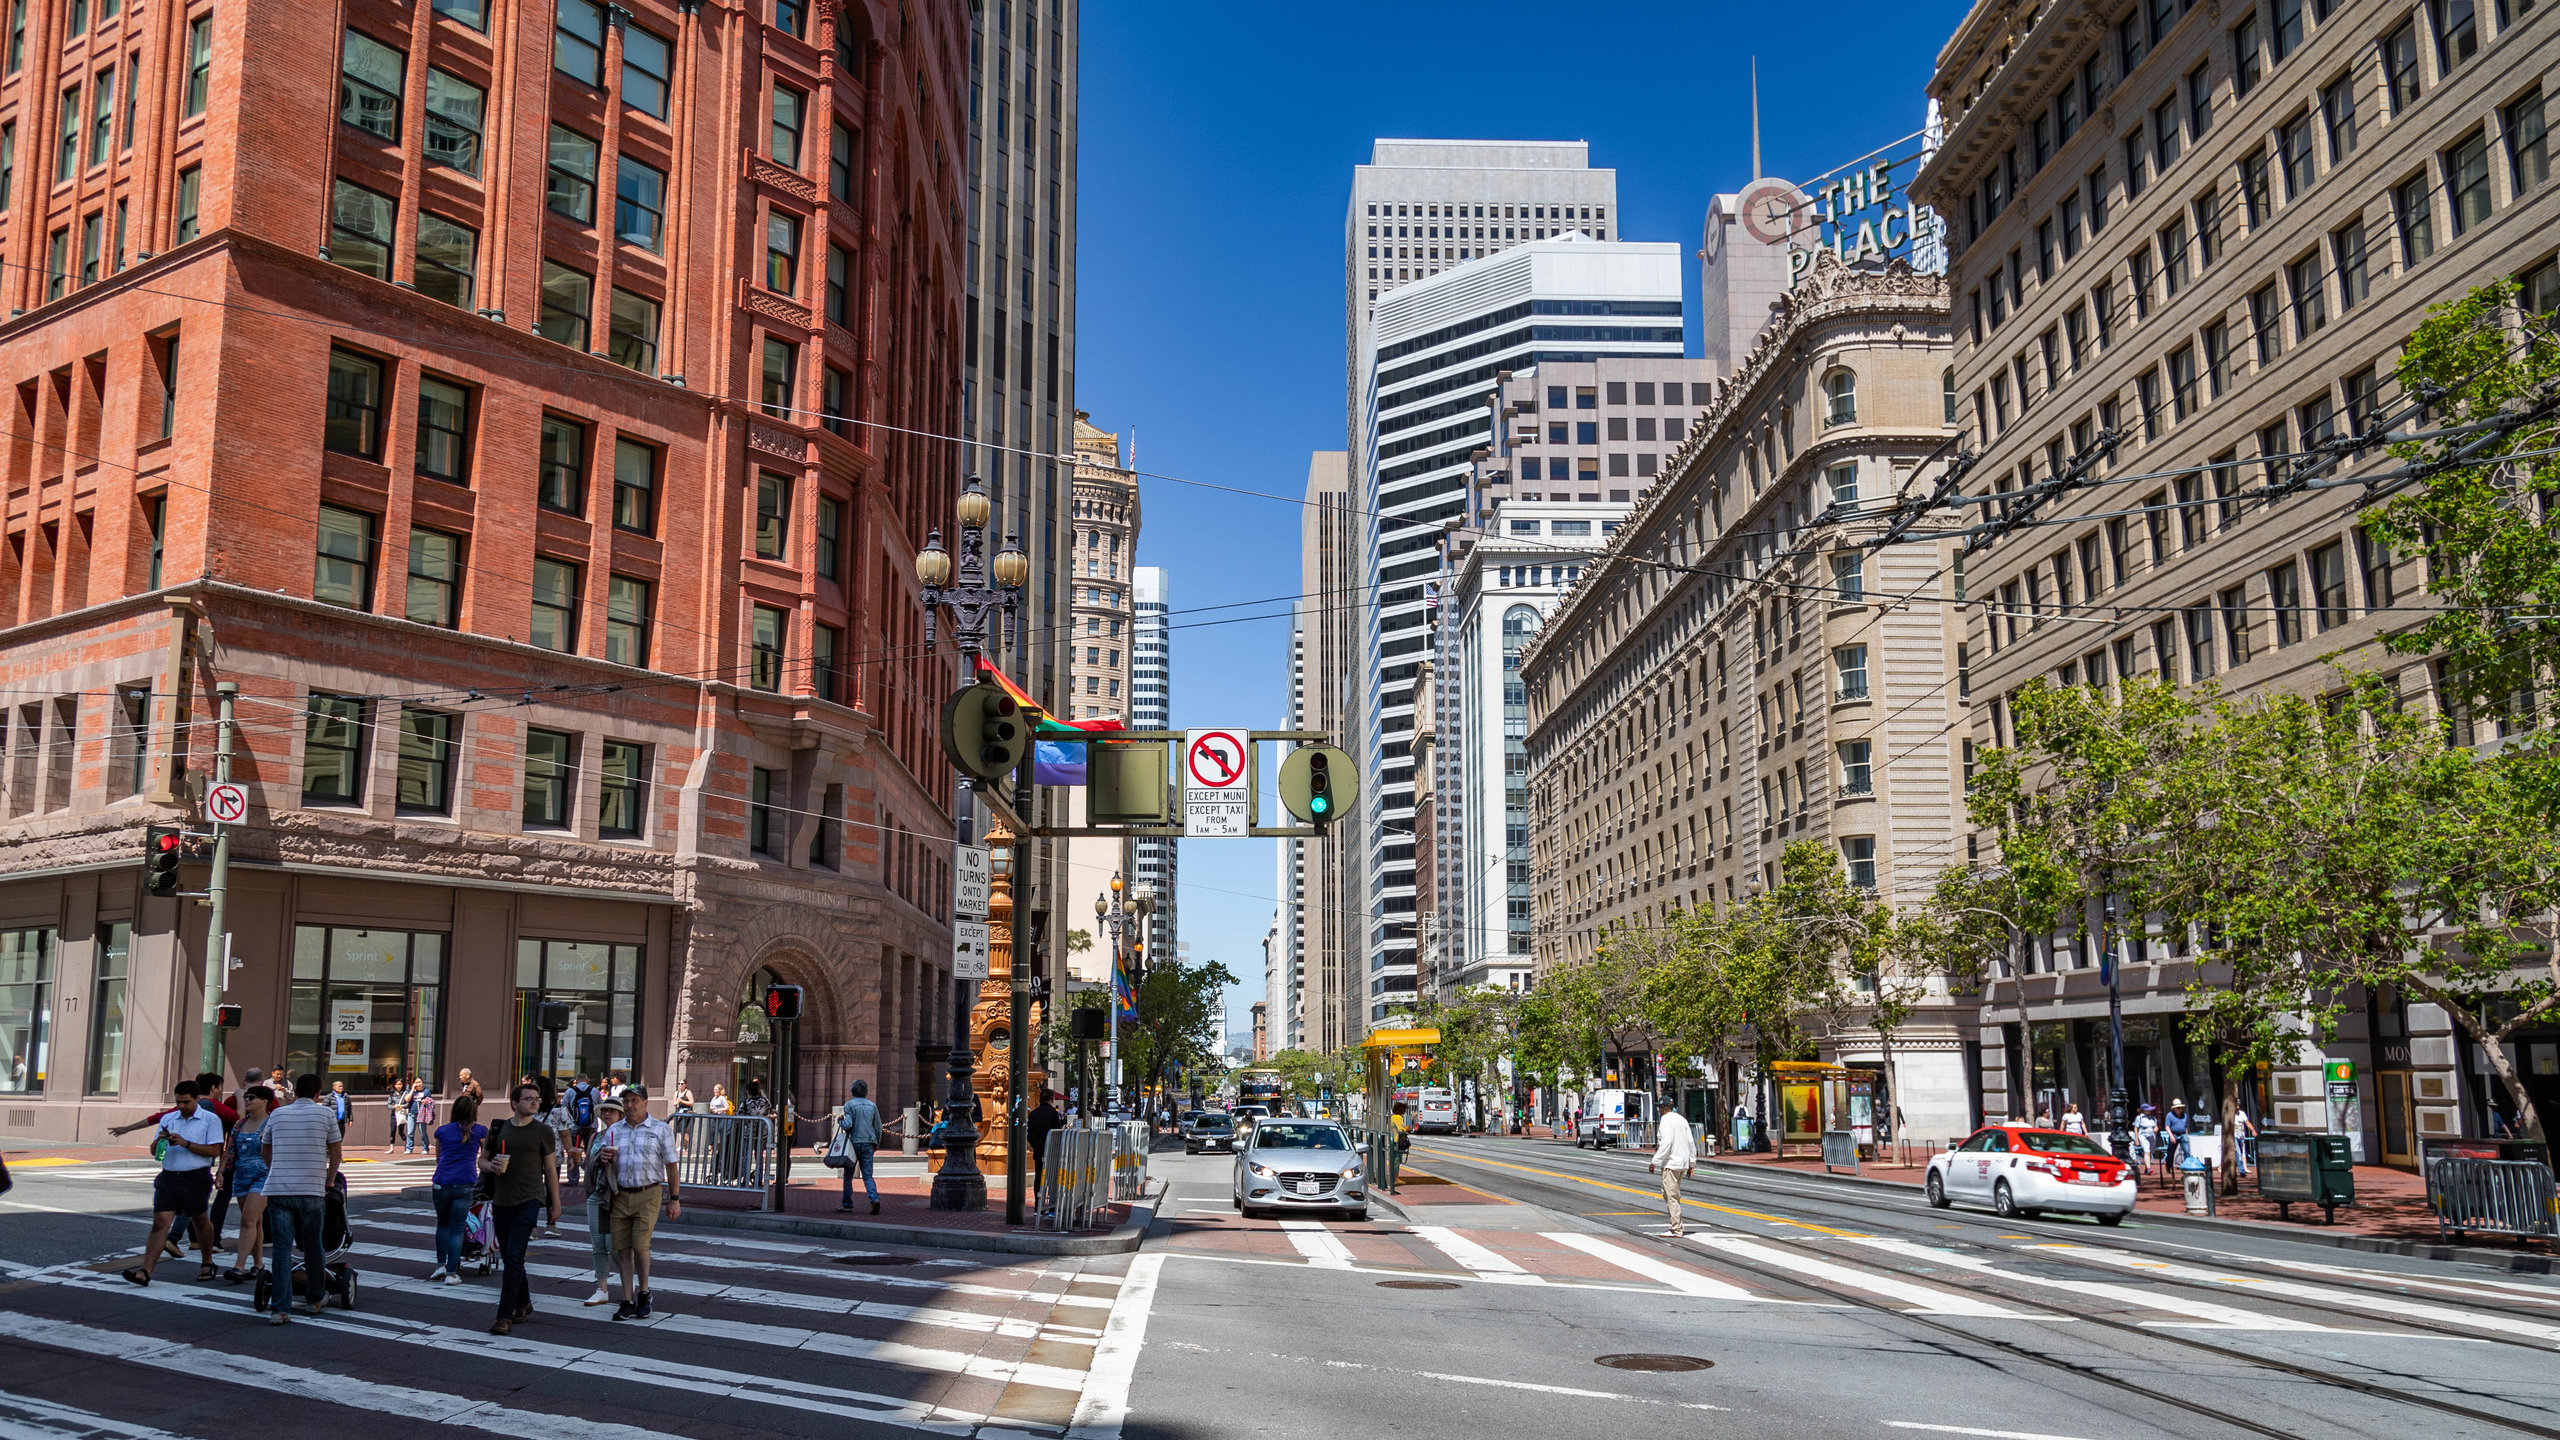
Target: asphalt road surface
1818	1310
1792	1308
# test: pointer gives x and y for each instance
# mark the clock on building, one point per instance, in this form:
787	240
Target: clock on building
1774	211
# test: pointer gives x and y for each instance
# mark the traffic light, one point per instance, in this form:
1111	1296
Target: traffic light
1317	783
227	1017
984	734
782	1002
162	847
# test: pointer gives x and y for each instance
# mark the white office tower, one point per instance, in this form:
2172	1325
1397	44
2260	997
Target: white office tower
1436	352
1155	858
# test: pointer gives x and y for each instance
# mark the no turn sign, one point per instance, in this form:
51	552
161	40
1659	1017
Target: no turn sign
227	803
1217	789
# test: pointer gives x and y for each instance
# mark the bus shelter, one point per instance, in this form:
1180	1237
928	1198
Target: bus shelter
1815	1096
1396	1060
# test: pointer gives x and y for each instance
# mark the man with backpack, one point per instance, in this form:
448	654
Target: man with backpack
582	1109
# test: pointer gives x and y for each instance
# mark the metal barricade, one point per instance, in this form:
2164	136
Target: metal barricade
1078	1168
726	1152
1839	1151
2492	1197
1133	1142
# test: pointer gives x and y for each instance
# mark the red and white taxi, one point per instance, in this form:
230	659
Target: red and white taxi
2025	1170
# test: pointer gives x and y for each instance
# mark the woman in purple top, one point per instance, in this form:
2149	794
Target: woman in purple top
457	1179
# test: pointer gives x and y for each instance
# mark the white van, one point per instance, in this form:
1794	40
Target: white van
1614	1117
1436	1112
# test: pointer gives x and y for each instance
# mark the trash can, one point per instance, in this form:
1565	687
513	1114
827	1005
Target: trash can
2198	1178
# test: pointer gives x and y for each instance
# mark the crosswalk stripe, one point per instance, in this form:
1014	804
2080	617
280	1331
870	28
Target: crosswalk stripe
1322	1247
407	1401
699	1380
1688	1282
885	1352
1929	1299
673	1237
2135	1296
2393	1306
24	1417
2469	1287
1472	1257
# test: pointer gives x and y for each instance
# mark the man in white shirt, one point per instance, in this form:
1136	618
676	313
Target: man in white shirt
1675	1153
642	1152
185	1183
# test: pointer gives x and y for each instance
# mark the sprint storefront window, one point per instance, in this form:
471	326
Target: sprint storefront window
600	983
368	1006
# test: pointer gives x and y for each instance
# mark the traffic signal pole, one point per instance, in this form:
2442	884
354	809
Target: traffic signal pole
217	932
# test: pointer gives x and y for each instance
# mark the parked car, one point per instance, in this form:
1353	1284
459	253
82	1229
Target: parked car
2023	1171
1285	1165
1209	1130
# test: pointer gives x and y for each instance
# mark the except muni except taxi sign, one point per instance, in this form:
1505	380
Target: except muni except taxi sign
1217	786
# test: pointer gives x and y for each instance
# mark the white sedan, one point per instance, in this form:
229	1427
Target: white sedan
2022	1171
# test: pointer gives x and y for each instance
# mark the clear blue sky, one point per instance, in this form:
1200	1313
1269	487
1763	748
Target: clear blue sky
1217	147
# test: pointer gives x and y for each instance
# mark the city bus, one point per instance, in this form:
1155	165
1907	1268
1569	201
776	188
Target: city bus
1259	1087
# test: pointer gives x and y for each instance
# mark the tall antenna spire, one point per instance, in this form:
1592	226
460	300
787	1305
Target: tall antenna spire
1755	117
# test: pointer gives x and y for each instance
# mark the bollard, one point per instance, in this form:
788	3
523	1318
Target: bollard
2198	1178
910	1137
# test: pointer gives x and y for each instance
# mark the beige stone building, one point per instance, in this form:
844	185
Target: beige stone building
2206	228
1101	572
1735	672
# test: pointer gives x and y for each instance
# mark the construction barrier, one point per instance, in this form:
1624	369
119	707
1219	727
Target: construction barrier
2492	1197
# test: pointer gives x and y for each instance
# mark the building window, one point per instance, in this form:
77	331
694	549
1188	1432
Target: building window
2413	211
765	631
647	61
342	571
563	485
435	577
26	1007
448	256
360	229
2466	181
453	122
2284	597
444	419
2373	557
8	162
1849	667
2528	143
781	359
333	745
781	253
2400	67
17	35
2338	117
426	762
354	424
369	84
1848	578
830	537
555	605
2310	296
474	13
2329	584
1857	773
190	201
635	486
106	1008
633	338
626	622
2457	27
367	1006
102	116
566	297
199	65
839	286
1858	855
789	114
571	187
577	41
842	167
91	227
549	767
763	836
773	514
836	401
824	646
640	203
622	804
792	17
2354	282
600	983
1840	398
2293	151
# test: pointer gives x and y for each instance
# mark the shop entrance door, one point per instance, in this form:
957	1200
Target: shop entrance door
2399	1120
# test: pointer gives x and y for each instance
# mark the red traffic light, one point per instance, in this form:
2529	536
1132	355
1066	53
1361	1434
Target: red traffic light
782	1002
162	848
227	1016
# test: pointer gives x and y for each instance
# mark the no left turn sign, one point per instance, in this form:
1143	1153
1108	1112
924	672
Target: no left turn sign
1217	794
227	803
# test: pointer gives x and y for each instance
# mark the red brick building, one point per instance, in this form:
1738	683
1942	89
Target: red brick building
495	391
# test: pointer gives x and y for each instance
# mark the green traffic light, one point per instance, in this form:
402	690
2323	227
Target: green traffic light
1320	804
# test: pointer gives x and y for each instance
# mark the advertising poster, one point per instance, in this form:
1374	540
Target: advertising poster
350	1033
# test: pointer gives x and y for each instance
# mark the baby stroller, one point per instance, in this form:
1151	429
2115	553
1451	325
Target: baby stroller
478	1246
338	1278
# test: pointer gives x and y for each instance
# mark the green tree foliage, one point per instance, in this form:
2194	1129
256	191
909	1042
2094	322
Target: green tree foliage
1179	1007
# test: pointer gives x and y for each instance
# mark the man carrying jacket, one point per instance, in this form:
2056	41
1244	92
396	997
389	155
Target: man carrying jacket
1675	1154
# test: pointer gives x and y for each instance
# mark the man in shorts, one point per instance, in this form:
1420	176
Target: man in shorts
642	1151
184	1186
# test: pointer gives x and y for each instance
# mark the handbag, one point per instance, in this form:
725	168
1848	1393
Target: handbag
840	1146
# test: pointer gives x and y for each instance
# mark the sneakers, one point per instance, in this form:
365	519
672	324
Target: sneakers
601	1296
435	1275
279	1318
454	1278
502	1327
644	1304
626	1311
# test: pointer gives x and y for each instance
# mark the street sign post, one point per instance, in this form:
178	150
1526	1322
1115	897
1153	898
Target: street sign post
968	950
226	803
972	872
1217	787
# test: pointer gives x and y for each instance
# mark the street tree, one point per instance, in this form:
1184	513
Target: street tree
1179	1009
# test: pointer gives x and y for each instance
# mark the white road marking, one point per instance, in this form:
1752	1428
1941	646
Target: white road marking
1322	1247
848	1274
2391	1306
885	1352
1969	1430
2133	1295
1929	1299
24	1417
1483	1263
1104	1408
1688	1282
200	1362
2481	1288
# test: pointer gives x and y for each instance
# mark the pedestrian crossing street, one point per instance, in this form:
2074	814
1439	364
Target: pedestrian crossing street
781	1334
2034	1279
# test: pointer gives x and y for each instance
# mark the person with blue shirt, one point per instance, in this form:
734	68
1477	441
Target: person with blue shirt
860	1122
457	1182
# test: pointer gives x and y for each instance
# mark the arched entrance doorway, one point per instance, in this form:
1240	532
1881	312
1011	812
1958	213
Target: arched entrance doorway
752	1058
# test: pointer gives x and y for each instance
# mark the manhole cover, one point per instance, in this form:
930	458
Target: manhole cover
1417	1284
879	1260
1655	1362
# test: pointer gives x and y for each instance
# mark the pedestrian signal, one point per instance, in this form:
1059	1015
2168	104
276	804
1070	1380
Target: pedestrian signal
984	733
1317	783
554	1016
782	1002
162	847
227	1017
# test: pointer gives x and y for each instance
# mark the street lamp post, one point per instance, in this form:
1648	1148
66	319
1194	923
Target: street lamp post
973	602
1106	911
